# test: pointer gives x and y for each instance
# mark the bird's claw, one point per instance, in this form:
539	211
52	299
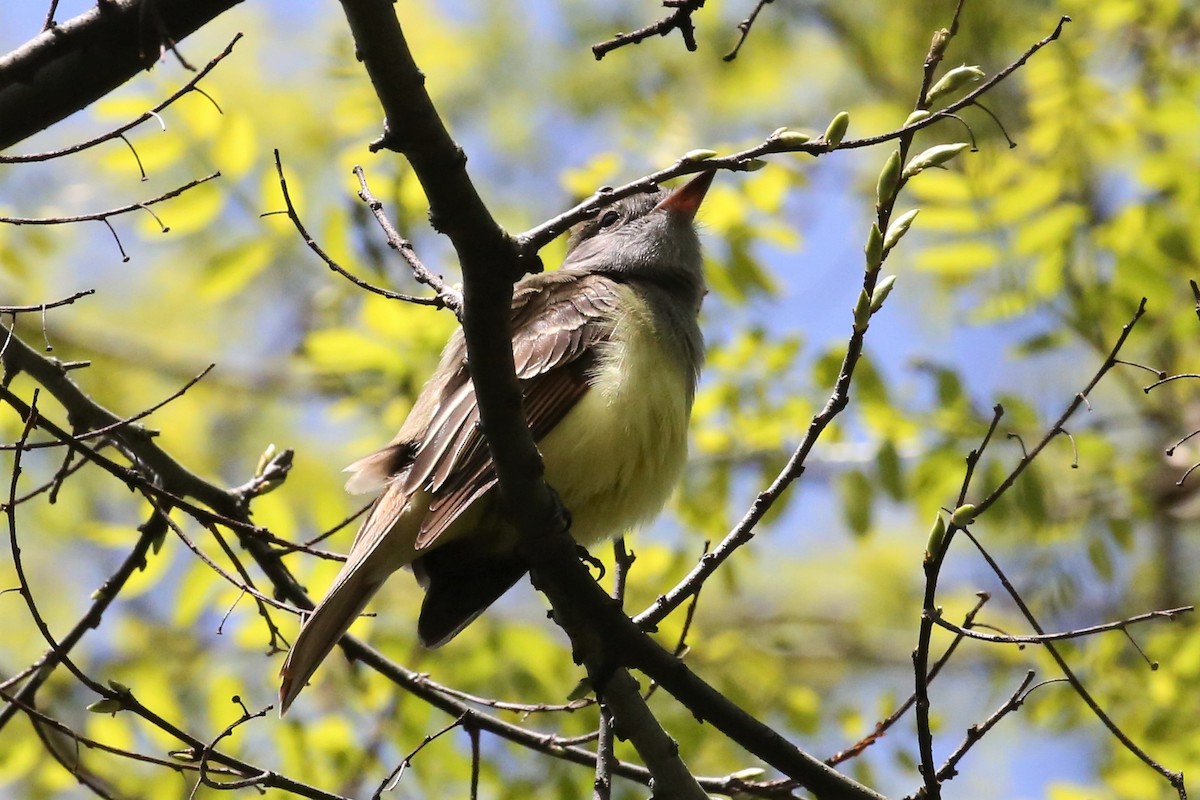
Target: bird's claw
590	560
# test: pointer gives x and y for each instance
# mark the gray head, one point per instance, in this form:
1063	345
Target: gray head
650	237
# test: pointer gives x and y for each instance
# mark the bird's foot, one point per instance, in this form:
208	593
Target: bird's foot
590	560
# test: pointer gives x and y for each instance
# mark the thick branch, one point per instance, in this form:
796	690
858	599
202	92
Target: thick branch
85	415
600	633
487	254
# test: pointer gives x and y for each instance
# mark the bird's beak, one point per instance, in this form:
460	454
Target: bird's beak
687	198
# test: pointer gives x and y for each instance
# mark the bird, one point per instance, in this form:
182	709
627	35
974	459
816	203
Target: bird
608	351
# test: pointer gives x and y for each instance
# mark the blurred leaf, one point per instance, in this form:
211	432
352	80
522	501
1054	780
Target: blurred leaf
959	260
233	268
890	470
856	492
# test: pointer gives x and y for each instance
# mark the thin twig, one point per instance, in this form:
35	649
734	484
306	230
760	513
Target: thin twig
1169	379
1120	625
294	216
680	19
886	723
976	733
126	422
1174	778
112	212
42	307
393	778
936	556
446	296
210	748
119	132
744	27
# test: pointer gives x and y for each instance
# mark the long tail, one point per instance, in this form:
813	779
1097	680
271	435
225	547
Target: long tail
384	544
330	619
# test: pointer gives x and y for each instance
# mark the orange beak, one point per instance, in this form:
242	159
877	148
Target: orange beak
687	198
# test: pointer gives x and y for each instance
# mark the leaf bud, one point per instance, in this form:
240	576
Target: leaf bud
791	137
264	460
837	129
936	535
697	155
935	156
882	290
916	117
874	248
898	228
963	515
862	311
937	48
889	180
109	705
954	79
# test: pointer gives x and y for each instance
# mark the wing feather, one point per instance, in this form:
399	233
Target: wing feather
557	319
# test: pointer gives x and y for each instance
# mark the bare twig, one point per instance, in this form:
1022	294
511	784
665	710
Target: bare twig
112	427
42	307
680	19
744	27
211	747
103	216
50	12
976	732
294	216
447	296
1174	778
937	554
120	131
1169	379
393	778
885	724
1120	625
104	596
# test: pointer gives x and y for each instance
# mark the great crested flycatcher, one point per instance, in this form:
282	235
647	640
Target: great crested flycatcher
607	350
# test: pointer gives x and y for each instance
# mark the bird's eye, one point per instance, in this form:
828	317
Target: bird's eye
610	218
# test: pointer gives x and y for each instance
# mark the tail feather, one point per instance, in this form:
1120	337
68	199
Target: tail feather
460	583
329	620
383	545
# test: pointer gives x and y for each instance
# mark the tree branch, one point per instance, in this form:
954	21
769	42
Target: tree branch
72	64
160	475
490	261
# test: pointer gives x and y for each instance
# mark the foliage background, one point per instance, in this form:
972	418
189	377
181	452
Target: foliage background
1020	270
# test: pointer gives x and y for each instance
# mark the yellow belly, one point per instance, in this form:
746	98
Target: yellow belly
616	456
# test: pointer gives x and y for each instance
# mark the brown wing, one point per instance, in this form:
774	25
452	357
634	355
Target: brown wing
557	318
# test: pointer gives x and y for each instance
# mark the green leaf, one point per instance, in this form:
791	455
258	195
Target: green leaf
890	470
856	492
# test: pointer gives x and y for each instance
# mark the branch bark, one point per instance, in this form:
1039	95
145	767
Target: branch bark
603	638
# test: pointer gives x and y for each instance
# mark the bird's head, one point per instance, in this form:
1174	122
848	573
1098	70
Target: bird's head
650	236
